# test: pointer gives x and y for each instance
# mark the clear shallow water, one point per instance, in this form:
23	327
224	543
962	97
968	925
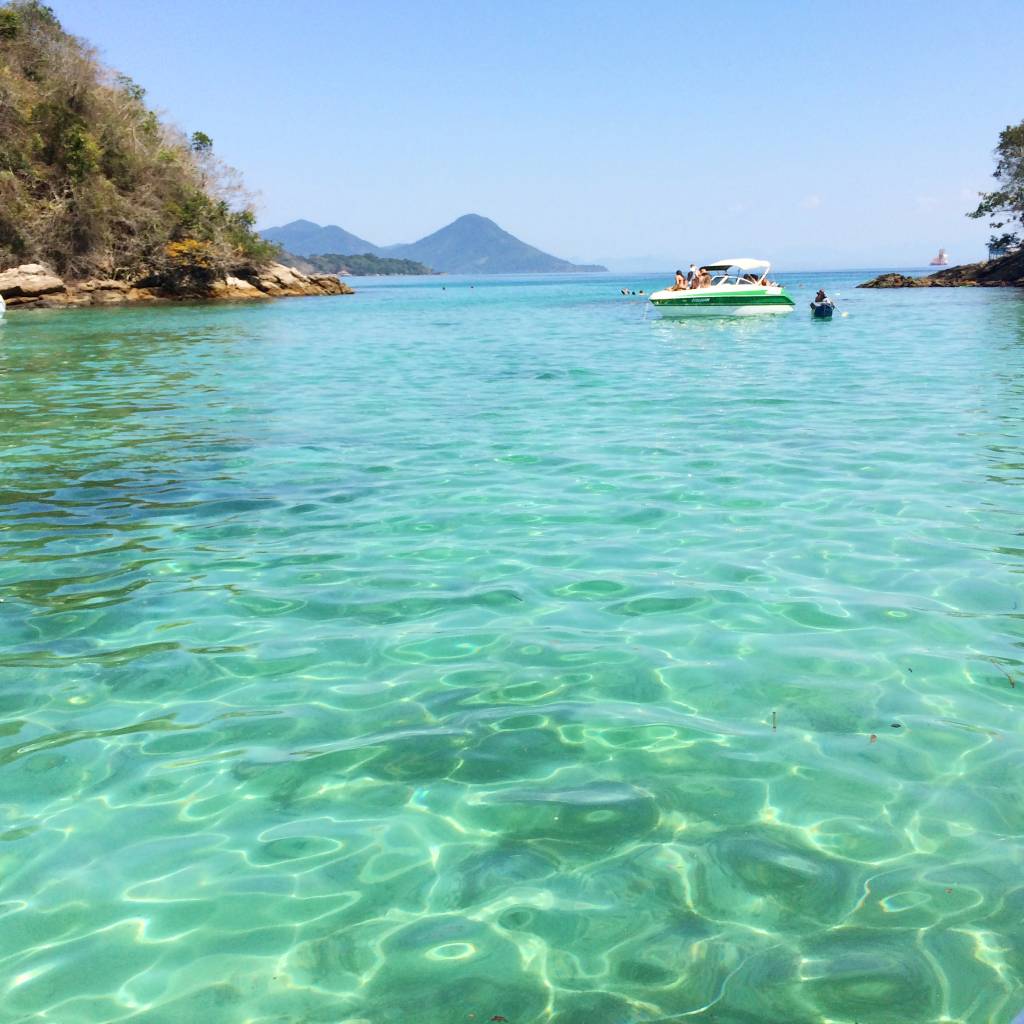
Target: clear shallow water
414	656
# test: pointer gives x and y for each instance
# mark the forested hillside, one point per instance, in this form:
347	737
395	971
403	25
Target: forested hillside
93	184
365	265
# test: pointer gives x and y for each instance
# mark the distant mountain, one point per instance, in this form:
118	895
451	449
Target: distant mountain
475	245
470	245
304	238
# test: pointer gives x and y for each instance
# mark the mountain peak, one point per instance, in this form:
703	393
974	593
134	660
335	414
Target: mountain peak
473	218
306	238
473	244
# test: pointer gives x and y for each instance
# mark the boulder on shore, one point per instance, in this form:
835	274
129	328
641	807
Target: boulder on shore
38	286
235	288
28	283
279	280
1007	271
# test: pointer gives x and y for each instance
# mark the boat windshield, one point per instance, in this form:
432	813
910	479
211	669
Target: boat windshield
734	279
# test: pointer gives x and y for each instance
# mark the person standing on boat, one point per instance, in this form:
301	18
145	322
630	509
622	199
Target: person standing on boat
692	277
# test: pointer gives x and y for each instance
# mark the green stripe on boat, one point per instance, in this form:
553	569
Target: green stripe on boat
732	299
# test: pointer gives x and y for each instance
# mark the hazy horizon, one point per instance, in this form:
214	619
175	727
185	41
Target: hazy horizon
641	264
854	139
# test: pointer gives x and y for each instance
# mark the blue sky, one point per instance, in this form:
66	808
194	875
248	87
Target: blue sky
843	135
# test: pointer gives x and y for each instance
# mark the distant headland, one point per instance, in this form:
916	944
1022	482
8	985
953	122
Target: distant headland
358	265
1005	272
469	245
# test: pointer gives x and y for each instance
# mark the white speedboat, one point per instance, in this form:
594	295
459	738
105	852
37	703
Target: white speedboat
739	287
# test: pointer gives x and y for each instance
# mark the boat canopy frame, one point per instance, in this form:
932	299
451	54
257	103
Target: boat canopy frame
744	263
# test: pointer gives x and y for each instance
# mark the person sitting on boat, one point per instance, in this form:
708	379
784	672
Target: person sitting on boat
703	278
691	277
822	300
680	284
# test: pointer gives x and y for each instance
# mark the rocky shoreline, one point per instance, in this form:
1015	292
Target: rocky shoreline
1005	272
37	287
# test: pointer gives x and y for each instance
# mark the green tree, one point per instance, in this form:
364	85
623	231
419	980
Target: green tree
1005	206
131	88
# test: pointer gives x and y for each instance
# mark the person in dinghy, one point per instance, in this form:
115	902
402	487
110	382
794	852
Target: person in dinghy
822	306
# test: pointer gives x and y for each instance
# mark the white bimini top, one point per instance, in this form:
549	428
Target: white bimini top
743	263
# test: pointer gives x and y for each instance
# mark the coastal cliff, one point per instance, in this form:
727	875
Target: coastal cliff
1007	271
36	286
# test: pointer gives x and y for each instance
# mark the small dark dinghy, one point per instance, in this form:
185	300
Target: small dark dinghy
822	307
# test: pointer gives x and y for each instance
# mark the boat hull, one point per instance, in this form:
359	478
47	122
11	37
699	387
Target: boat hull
722	305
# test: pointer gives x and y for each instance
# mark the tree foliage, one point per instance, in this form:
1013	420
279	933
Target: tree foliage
92	182
1005	206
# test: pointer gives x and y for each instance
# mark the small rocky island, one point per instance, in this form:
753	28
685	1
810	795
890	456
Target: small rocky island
1005	272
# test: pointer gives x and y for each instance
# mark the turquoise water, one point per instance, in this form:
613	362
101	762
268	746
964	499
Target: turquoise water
503	651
